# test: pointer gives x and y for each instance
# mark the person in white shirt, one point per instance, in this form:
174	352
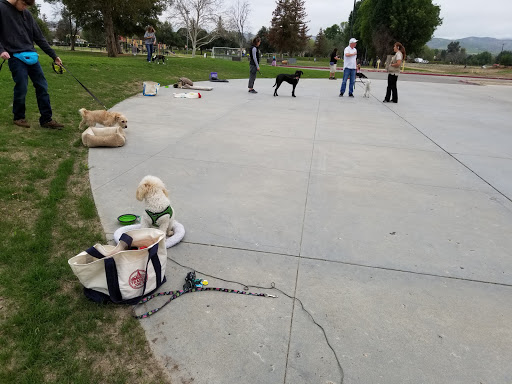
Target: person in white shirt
349	67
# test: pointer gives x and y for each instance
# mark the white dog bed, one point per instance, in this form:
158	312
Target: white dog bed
179	233
103	137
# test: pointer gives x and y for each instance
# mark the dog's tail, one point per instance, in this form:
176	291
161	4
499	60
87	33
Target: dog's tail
82	111
274	84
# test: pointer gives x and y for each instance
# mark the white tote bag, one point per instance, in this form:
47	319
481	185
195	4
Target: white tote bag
125	273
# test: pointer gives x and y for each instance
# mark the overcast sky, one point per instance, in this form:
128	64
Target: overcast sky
461	18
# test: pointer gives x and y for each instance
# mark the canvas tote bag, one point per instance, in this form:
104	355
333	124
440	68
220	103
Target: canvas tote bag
124	273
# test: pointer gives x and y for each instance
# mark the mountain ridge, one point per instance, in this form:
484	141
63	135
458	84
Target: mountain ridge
474	45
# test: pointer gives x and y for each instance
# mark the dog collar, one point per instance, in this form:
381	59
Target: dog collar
155	216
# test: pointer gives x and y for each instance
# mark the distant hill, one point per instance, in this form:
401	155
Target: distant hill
474	45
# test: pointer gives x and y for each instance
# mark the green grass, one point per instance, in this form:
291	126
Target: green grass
49	332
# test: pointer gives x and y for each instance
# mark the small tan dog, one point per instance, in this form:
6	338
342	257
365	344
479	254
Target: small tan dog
105	118
157	211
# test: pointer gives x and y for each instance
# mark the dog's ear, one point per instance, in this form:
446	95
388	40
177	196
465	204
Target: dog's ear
142	190
166	192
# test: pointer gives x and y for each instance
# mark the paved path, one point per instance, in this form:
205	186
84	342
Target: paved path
391	222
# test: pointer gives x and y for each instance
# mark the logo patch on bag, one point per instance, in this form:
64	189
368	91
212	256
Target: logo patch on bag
137	279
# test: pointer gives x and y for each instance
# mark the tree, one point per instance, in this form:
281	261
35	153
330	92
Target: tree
238	15
321	47
288	31
197	15
265	45
384	22
504	58
115	17
453	47
332	32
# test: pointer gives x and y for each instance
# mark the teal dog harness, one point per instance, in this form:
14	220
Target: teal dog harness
29	58
155	216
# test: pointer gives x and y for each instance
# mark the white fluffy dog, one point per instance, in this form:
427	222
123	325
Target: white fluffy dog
367	88
105	118
157	211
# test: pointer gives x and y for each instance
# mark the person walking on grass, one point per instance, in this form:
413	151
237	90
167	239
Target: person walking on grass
18	32
150	40
254	62
349	68
393	71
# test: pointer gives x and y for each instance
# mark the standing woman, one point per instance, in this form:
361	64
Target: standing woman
393	71
332	64
254	62
150	39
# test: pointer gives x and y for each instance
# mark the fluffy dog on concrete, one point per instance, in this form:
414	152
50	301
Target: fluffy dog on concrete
290	79
158	59
157	210
367	88
105	118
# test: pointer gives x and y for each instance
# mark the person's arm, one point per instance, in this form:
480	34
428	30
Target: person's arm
41	41
398	62
351	54
3	53
255	58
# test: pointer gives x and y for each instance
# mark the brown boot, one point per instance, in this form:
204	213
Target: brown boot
52	124
22	123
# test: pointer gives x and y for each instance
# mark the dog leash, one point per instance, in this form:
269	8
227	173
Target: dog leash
181	292
58	69
1	65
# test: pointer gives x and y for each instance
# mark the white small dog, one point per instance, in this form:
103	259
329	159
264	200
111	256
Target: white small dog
157	211
367	88
105	118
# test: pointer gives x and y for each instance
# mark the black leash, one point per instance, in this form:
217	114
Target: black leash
58	69
1	65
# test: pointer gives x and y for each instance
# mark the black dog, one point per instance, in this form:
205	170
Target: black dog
290	79
158	58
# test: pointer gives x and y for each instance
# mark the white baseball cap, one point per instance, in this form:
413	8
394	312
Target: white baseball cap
352	40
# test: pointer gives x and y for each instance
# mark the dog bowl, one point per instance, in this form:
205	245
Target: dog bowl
128	218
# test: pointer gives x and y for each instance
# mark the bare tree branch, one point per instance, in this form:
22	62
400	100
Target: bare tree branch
238	16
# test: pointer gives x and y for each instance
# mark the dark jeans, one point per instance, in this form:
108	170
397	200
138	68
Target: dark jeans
149	48
252	75
20	74
391	91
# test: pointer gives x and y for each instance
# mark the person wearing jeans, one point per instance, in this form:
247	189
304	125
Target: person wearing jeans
349	68
150	39
18	32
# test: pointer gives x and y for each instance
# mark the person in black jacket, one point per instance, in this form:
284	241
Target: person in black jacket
332	64
18	32
254	62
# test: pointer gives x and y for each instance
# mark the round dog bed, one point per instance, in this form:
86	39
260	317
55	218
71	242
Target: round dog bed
179	233
103	137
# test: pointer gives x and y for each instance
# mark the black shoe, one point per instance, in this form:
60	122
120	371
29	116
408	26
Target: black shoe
350	95
385	101
395	101
341	94
252	91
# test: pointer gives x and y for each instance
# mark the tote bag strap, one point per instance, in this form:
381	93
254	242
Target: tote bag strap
97	254
113	279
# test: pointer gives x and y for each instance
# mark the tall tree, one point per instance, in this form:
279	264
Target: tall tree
288	31
238	20
265	45
197	16
321	46
411	22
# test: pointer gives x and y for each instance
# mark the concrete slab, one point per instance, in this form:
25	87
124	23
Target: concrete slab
390	221
216	337
391	327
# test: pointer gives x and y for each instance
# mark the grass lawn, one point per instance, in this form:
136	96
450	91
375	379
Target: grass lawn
49	332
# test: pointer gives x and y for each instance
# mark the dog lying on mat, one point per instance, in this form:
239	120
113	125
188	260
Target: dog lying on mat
290	79
158	58
157	210
105	118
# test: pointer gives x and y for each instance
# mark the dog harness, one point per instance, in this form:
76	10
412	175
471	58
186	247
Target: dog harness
155	216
